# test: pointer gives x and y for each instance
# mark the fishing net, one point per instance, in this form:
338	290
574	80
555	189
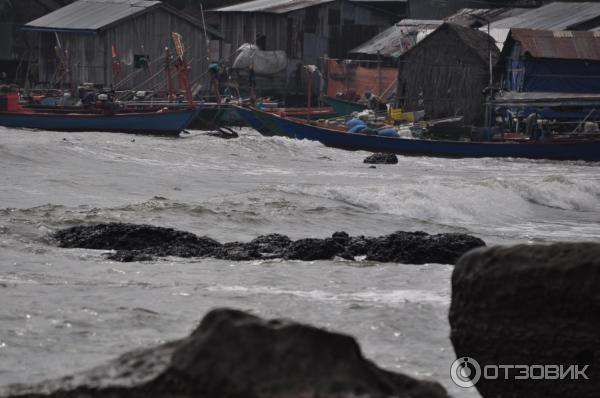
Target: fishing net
263	62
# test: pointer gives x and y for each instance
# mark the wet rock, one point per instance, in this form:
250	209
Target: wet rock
341	237
272	246
156	241
382	158
233	355
142	242
530	305
421	248
129	256
238	251
223	133
314	249
359	245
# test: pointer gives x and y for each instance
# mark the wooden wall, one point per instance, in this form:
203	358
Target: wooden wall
306	35
443	76
148	34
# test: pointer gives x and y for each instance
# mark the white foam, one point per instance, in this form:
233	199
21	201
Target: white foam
386	297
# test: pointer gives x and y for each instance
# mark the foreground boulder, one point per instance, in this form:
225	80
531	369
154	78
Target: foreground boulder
381	158
530	305
236	355
143	242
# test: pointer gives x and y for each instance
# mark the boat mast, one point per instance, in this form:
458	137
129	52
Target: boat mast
182	67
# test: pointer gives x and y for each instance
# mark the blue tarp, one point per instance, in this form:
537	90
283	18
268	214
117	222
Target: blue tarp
562	76
551	75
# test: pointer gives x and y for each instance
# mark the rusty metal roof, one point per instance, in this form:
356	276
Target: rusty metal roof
558	44
272	6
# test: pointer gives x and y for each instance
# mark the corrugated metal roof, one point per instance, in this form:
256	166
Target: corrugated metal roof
399	38
558	44
94	15
272	6
90	15
478	16
554	16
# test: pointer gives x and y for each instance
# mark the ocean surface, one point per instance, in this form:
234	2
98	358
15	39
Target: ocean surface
64	310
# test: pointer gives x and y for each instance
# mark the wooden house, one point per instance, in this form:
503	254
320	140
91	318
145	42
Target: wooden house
92	34
306	30
447	72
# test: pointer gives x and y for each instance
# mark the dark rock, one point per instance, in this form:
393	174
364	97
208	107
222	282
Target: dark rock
222	133
421	248
314	249
341	237
359	245
151	240
236	355
142	242
382	158
129	256
530	305
237	251
272	246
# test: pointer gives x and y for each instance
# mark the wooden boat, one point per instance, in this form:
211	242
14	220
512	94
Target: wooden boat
161	122
557	148
344	107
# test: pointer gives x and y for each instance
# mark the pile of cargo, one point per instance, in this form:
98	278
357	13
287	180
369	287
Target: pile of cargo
367	122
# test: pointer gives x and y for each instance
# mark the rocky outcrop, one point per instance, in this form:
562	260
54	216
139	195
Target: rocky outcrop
236	355
139	239
530	305
142	242
381	158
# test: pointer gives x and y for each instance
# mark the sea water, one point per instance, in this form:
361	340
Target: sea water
64	310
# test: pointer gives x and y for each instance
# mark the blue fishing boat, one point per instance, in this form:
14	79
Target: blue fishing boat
157	122
557	148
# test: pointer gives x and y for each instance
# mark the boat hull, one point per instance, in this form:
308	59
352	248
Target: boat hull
557	150
159	123
343	107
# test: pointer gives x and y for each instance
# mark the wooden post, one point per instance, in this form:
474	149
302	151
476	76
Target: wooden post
309	92
379	74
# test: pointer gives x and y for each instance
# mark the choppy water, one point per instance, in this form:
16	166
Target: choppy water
64	310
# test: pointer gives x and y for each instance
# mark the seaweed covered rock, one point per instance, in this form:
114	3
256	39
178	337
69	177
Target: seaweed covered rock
233	354
142	242
381	158
530	305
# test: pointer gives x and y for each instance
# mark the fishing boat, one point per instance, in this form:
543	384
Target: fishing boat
161	122
106	112
557	148
344	107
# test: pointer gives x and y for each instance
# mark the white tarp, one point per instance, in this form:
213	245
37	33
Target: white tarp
263	62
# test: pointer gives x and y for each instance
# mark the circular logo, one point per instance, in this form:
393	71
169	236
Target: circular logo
465	372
